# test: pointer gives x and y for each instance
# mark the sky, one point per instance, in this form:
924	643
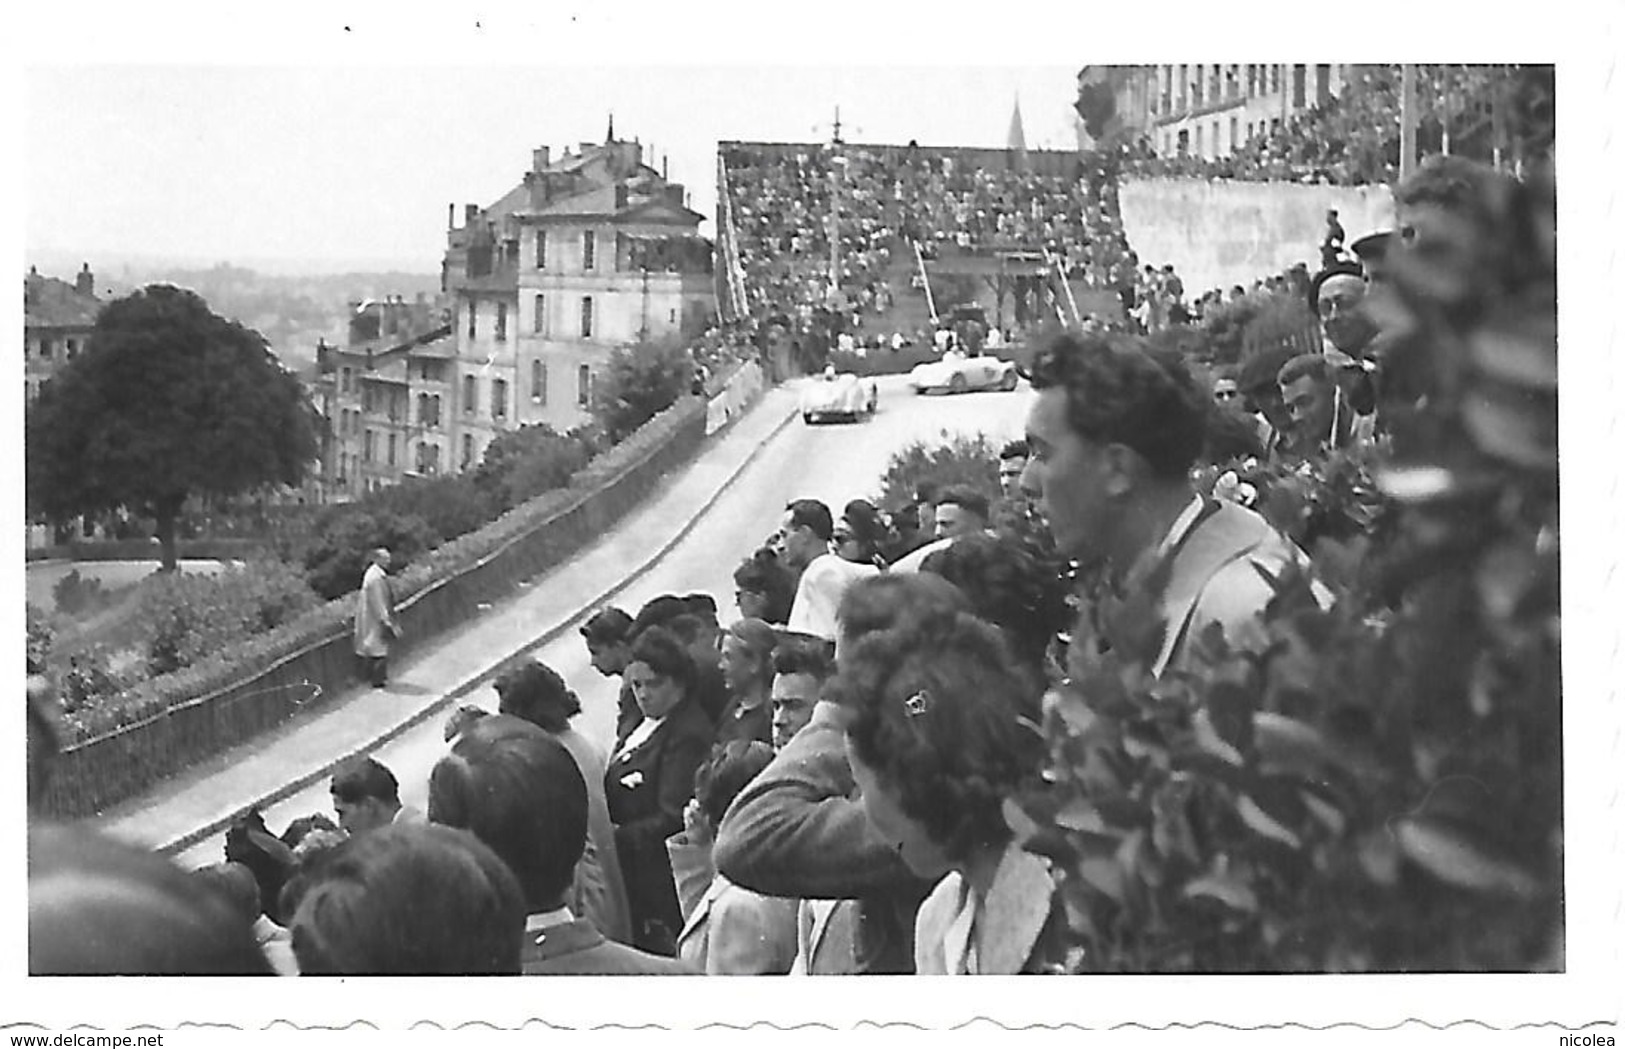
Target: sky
320	164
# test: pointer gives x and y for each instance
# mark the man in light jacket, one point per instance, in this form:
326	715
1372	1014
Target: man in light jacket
375	625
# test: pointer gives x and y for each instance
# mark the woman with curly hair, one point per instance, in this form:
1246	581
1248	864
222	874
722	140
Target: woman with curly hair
533	691
939	735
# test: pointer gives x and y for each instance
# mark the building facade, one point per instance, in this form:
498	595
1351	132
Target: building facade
1208	110
385	396
590	252
58	319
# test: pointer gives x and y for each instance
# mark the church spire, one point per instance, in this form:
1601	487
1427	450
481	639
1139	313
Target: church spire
1017	143
609	136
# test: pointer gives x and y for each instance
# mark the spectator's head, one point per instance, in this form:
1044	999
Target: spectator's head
660	674
407	901
1331	215
97	907
938	736
799	671
861	533
533	691
961	511
764	588
234	884
365	796
807	531
520	792
1006	585
721	777
747	657
1337	295
1112	430
925	501
298	830
698	636
1446	194
608	634
1226	393
1012	463
657	611
1259	389
379	556
1309	390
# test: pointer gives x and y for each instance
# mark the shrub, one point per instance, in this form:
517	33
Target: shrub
336	555
640	381
522	464
187	616
450	506
75	594
963	460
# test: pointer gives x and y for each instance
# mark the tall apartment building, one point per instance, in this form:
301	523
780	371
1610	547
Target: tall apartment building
58	319
1209	109
385	395
589	252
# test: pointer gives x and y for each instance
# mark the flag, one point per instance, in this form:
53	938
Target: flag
1017	144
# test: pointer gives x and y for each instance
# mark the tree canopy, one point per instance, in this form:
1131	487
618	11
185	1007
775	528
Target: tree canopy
169	400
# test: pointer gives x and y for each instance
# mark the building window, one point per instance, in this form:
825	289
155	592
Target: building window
472	313
540	322
471	396
586	316
541	249
468	449
538	381
499	398
1199	140
1235	125
391	449
370	447
589	250
1275	79
73	348
344	380
502	321
46	349
583	386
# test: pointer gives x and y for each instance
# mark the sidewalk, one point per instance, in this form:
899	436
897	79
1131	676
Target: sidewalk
200	802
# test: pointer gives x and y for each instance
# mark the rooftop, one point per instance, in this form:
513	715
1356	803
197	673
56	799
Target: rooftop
52	303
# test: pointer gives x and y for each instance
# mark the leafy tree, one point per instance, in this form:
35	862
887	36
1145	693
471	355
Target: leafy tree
522	464
641	381
451	506
170	400
335	558
972	461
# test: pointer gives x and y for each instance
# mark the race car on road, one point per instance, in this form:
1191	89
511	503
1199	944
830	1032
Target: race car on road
957	373
838	396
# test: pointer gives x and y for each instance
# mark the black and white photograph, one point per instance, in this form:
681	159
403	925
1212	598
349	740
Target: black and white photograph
855	491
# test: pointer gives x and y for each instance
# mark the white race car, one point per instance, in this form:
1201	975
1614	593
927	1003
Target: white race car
957	373
838	396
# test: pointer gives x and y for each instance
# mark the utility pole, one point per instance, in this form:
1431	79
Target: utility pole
836	175
1444	121
1407	120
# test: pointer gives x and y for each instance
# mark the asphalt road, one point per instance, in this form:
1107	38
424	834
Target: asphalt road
833	462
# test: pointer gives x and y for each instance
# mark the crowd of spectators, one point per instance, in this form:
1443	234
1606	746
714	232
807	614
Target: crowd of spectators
1353	139
815	784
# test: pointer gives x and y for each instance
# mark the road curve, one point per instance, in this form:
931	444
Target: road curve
833	462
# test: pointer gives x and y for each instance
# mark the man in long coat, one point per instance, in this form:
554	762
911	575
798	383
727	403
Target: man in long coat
375	624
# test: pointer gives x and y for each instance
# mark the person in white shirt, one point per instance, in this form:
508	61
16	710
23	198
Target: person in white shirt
807	531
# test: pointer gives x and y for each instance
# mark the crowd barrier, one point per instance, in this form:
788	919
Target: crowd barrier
1220	234
106	769
738	393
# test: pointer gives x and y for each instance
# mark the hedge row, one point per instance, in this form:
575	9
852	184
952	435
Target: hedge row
122	750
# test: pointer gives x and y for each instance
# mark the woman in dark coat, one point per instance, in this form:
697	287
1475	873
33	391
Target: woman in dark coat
650	780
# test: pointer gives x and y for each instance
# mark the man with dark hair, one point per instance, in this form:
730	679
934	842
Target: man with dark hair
1319	409
366	797
1337	296
1445	191
807	531
1113	436
1262	396
699	640
800	669
961	511
609	633
1012	461
520	792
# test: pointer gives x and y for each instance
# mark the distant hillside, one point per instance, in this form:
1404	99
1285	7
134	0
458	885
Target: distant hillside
292	311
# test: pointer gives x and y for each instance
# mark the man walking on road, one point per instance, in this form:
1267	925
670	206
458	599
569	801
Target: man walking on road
375	625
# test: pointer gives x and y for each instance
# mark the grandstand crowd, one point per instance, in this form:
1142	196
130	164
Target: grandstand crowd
808	775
